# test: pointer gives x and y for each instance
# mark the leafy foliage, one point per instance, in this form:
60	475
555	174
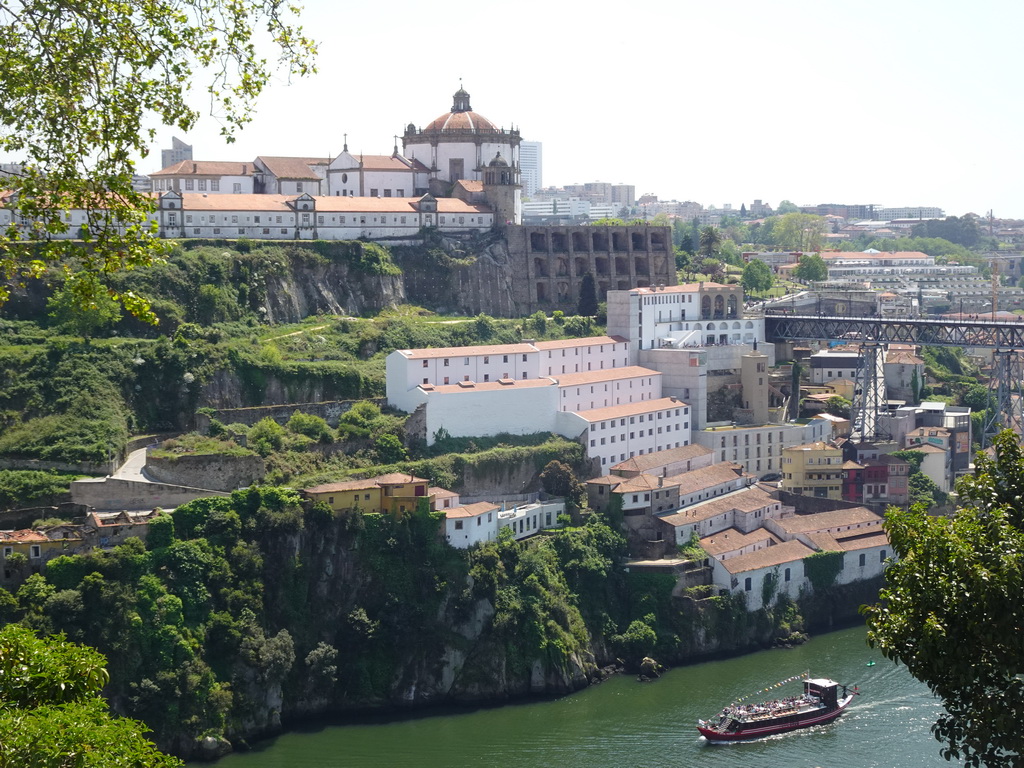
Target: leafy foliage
83	82
51	712
951	612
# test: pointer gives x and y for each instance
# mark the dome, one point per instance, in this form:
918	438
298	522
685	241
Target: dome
498	162
461	118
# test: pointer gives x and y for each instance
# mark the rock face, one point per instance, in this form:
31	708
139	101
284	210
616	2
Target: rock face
216	473
336	289
467	277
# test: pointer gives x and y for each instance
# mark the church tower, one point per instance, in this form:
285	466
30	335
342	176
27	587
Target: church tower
459	145
503	191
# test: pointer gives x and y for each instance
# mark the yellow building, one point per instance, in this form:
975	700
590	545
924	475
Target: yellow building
395	493
814	469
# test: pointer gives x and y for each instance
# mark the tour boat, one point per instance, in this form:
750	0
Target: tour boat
820	703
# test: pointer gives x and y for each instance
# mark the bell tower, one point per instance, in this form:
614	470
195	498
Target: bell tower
503	191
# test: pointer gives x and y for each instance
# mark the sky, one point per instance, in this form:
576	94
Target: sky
886	102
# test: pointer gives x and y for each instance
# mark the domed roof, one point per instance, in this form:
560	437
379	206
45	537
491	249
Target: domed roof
498	162
461	118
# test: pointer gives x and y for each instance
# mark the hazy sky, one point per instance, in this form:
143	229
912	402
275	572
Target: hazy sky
896	103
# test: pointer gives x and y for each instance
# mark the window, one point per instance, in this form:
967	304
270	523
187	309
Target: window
446	362
202	185
863	560
458	525
881	556
214	185
34	551
236	188
787	574
189	184
8	551
746	584
373	193
425	363
298	186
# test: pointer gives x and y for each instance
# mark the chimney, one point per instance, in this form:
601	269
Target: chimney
661	481
244	167
195	168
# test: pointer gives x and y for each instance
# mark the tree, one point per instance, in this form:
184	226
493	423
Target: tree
587	306
951	609
787	207
710	241
838	406
51	711
799	232
82	81
82	307
757	277
811	268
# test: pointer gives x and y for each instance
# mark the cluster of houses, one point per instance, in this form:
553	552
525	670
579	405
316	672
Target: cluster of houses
38	546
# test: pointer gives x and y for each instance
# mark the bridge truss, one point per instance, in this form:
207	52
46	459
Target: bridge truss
1004	337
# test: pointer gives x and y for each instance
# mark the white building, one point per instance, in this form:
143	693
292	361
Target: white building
531	163
687	332
305	217
758	447
205	176
469	525
571	387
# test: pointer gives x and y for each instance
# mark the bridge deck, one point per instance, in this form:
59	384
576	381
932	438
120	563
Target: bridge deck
996	334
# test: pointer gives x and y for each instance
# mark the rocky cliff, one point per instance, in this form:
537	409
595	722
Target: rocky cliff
334	289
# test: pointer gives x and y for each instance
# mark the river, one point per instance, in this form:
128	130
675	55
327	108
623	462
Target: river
622	723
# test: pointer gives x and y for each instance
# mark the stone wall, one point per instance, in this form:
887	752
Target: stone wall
550	262
216	472
329	410
114	493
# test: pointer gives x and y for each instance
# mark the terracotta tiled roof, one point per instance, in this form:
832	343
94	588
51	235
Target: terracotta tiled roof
852	465
706	477
397	478
834	255
630	409
484	349
925	448
607	374
745	501
441	493
607	480
816	446
22	536
460	121
470	510
650	290
489	386
732	539
207	168
394	478
471	185
294	167
928	432
348	485
833	519
780	554
642	483
589	341
904	358
662	458
877	538
273	204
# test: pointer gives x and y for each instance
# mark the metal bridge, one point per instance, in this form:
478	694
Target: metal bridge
981	332
1005	337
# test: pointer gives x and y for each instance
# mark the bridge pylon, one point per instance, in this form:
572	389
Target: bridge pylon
1007	391
869	399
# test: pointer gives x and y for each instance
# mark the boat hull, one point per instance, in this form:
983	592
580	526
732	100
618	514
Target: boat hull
764	728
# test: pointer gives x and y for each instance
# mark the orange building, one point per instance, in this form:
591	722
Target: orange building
396	493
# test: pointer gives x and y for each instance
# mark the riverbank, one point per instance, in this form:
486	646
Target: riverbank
624	723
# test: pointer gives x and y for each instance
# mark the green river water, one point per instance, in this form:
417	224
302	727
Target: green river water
623	723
